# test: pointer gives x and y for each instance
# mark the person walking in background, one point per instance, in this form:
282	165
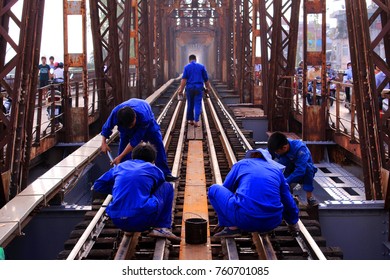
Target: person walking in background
136	123
348	80
295	155
193	79
141	199
44	70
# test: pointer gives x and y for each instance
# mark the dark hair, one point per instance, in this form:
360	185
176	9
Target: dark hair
52	57
43	57
145	151
125	116
192	57
276	141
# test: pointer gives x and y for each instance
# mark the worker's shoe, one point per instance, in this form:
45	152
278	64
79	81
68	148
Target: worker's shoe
311	201
226	232
164	233
171	178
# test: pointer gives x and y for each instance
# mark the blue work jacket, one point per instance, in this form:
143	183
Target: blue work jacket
196	75
144	121
261	192
132	184
300	157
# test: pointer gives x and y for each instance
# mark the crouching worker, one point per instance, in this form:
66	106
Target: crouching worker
141	198
255	197
295	155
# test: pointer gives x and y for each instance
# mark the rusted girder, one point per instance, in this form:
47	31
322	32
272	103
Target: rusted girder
145	54
22	90
366	97
282	44
113	34
382	12
32	92
75	117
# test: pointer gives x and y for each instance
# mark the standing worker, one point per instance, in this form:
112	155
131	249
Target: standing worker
141	199
254	197
194	78
296	156
136	123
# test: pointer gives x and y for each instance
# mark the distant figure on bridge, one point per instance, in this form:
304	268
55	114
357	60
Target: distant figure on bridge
52	66
295	155
194	78
313	78
379	79
141	198
255	197
348	80
331	75
136	123
58	72
44	70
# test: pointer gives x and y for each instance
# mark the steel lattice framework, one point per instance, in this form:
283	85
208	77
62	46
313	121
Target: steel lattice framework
16	132
363	58
279	33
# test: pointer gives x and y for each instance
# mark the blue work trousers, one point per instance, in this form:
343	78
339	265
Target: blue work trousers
153	135
306	180
160	219
194	104
230	214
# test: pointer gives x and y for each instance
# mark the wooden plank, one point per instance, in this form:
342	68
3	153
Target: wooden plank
198	132
194	133
190	132
195	201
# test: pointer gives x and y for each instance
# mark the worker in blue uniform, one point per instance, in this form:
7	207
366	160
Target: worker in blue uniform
141	198
136	123
295	155
194	78
254	197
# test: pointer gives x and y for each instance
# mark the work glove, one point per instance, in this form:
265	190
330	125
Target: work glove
293	229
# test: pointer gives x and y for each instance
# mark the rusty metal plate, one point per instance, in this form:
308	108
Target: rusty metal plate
314	6
74	8
314	58
195	201
75	60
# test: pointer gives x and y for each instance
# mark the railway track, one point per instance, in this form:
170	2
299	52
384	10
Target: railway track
223	144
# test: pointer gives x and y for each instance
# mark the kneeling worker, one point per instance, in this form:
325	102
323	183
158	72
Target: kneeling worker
296	156
254	197
141	198
136	123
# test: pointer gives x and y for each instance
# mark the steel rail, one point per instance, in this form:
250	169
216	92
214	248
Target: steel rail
312	246
161	243
231	246
88	239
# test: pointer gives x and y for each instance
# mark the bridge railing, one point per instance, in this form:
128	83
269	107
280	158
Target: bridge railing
341	114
